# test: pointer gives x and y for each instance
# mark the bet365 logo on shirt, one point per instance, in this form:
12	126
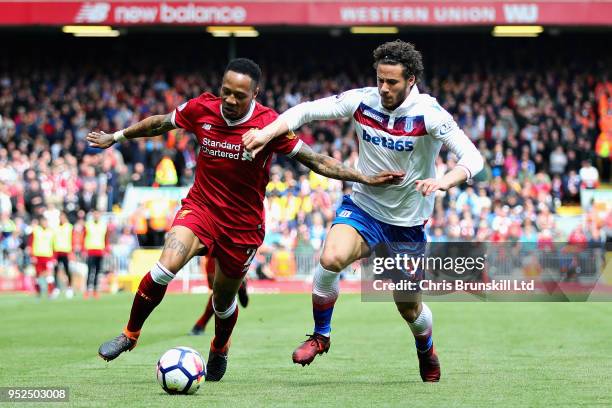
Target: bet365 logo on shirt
391	144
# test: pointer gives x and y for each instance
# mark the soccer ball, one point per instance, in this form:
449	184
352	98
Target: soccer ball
181	370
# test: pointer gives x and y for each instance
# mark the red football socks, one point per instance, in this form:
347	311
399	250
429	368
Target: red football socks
149	295
223	331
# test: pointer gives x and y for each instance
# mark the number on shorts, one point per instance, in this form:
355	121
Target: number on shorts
251	252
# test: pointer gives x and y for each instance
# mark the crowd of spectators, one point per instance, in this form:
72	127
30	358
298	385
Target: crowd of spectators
536	129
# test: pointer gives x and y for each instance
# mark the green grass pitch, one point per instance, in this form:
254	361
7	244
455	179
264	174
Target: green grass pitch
492	354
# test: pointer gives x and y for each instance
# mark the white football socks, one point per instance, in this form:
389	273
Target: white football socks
424	323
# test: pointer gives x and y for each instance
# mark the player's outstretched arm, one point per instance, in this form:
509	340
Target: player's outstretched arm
151	126
332	107
330	167
256	139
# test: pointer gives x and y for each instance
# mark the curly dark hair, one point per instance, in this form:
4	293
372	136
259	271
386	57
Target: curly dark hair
400	52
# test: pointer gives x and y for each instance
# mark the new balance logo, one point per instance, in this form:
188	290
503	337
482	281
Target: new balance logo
206	126
345	214
93	13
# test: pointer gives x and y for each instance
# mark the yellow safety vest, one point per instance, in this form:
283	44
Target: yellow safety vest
158	214
95	237
276	185
165	173
306	204
42	242
139	223
316	180
603	146
62	241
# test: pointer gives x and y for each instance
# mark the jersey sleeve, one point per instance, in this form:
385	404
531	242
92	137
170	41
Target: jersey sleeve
332	107
288	144
441	126
184	115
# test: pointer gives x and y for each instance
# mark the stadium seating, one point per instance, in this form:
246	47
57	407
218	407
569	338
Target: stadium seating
537	130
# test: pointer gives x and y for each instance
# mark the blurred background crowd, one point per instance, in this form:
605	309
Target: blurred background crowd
545	131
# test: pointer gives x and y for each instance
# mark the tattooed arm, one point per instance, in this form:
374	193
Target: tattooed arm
330	167
151	126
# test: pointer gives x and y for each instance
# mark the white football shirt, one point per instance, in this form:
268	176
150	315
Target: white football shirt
406	139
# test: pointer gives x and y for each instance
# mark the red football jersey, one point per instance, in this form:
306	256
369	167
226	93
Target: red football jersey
229	183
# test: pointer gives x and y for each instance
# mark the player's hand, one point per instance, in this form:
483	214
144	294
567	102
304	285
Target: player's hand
100	140
254	141
385	177
429	186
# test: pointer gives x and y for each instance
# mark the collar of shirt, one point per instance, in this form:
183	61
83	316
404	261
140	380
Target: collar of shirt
241	120
410	99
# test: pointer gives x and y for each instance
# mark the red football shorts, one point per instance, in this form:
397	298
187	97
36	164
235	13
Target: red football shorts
233	249
43	264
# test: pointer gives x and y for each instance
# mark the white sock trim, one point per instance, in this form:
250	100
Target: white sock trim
161	275
423	323
326	283
230	311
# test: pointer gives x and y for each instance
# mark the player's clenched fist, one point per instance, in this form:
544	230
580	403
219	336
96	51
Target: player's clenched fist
100	139
254	140
429	186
